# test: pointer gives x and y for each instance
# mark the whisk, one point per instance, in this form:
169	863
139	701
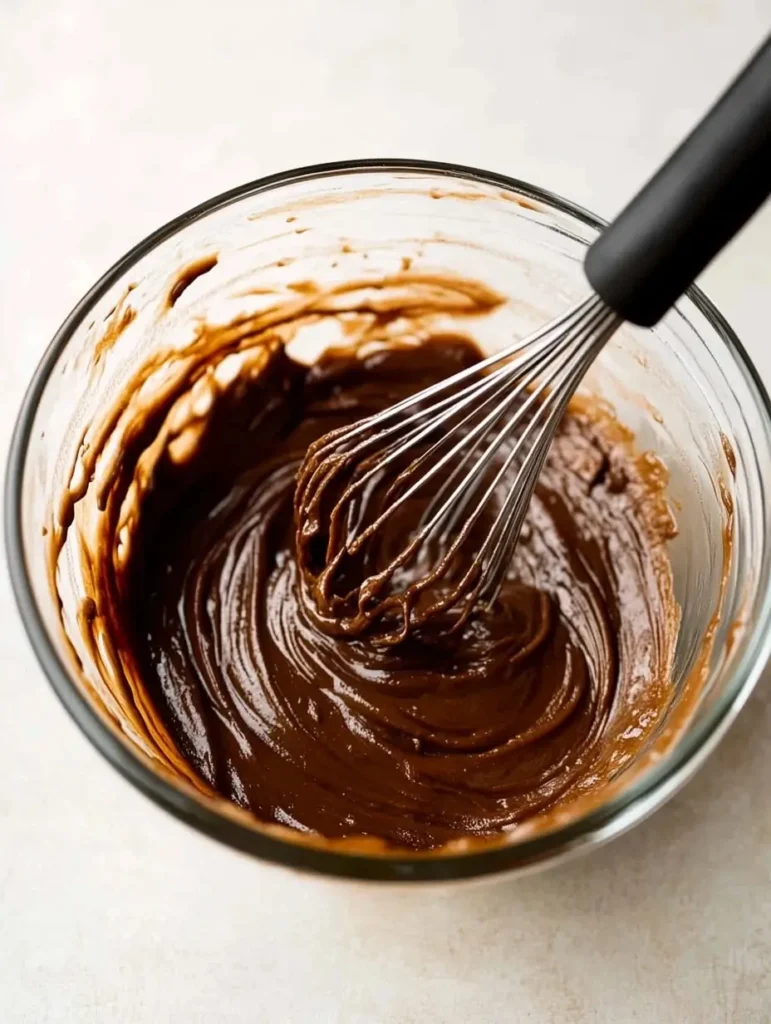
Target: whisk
494	422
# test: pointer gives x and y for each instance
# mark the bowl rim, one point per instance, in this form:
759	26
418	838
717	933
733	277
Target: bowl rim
598	825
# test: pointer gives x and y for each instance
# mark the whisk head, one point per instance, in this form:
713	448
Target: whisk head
408	519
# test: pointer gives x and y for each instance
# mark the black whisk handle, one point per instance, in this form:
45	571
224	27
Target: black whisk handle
707	190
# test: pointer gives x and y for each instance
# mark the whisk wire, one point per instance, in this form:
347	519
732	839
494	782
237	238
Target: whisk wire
488	569
511	516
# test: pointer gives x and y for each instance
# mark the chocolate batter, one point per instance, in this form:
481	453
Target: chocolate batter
220	657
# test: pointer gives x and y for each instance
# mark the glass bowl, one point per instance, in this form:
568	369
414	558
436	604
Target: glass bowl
687	390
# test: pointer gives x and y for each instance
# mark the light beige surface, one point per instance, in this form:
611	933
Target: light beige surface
115	117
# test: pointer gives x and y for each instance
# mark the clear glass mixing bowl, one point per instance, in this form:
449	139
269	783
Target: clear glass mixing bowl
687	390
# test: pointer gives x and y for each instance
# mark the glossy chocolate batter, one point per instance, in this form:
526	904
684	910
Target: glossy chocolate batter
446	735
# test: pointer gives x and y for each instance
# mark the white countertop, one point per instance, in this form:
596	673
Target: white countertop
113	118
